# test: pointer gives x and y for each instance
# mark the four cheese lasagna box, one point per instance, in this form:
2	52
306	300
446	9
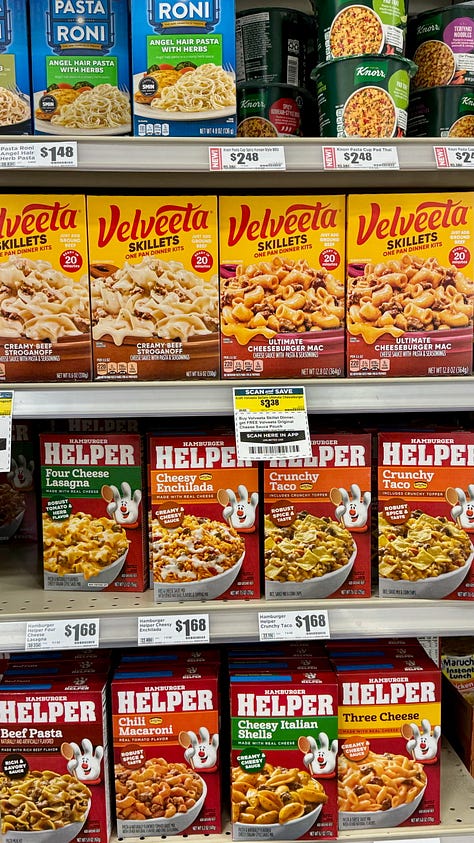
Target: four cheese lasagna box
317	521
44	294
282	286
15	101
154	290
410	285
203	519
426	515
18	487
93	521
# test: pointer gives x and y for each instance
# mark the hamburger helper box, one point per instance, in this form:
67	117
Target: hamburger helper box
426	515
317	521
18	487
166	731
93	522
54	755
282	286
154	290
45	332
410	285
203	519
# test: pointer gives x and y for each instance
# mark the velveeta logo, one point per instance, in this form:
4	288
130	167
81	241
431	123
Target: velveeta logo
96	453
47	711
297	219
38	217
167	219
151	702
427	216
196	456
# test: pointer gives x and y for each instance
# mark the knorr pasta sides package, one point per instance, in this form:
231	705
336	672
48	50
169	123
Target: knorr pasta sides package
93	520
166	737
80	67
410	285
426	515
203	519
18	487
154	287
284	755
45	332
282	286
15	90
317	521
183	61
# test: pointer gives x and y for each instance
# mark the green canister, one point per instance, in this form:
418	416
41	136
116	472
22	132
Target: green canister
367	27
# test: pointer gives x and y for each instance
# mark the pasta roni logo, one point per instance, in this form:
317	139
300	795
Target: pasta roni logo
369	71
184	16
5	26
168	219
427	216
38	217
80	26
297	218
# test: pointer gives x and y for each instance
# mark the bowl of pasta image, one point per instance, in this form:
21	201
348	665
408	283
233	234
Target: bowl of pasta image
54	808
102	109
204	92
291	830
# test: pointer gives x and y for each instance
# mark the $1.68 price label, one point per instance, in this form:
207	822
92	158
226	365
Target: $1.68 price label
173	629
284	626
62	635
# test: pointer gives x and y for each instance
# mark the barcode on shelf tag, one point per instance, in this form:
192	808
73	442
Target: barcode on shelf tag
279	626
44	154
454	156
360	158
156	630
6	412
62	634
247	158
271	423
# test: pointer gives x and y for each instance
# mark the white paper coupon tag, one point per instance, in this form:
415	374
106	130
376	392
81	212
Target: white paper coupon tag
247	158
360	158
47	154
298	625
271	423
62	634
173	629
454	156
6	412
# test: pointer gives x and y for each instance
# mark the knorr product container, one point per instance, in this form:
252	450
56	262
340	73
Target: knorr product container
364	96
351	29
445	111
441	43
270	111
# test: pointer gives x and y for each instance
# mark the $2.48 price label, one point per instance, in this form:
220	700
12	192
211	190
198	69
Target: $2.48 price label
287	626
247	158
62	635
173	629
454	156
360	158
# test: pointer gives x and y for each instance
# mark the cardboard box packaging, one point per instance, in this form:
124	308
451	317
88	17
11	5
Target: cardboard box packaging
19	487
15	85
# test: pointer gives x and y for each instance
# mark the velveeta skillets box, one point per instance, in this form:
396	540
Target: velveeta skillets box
317	521
426	515
282	286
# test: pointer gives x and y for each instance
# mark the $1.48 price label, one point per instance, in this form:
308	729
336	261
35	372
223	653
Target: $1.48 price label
62	635
287	626
173	629
46	154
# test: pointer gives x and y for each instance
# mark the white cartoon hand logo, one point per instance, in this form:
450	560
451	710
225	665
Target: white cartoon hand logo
200	752
351	509
463	509
319	757
239	510
20	475
123	508
84	764
423	746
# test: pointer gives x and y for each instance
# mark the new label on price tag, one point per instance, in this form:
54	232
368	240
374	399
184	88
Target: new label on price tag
62	635
271	423
454	156
360	158
44	154
293	626
173	629
247	158
6	412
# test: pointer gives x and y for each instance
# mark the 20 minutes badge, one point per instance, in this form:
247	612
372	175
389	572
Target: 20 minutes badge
271	423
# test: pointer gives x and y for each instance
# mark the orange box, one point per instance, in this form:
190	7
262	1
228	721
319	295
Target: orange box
154	290
282	286
45	331
410	284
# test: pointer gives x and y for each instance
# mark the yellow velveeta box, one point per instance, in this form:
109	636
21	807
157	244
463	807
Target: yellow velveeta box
282	286
410	285
154	290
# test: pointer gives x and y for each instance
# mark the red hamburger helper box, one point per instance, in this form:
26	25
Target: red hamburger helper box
203	526
389	744
166	750
317	521
54	754
93	521
426	515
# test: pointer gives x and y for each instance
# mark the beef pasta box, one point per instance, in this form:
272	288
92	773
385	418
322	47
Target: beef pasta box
410	285
282	286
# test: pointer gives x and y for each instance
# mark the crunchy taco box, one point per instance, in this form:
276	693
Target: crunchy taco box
282	286
410	285
18	487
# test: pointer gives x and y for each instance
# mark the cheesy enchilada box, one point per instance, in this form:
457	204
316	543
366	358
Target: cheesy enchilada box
410	285
282	286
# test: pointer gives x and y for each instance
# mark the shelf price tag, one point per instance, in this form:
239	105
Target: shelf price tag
271	423
172	629
454	156
284	626
360	158
247	158
6	411
62	635
46	154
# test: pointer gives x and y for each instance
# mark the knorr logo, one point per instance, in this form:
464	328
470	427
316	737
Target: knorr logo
255	103
469	101
425	28
370	71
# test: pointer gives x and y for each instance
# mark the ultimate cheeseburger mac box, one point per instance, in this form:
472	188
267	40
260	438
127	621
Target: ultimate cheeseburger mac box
410	285
282	286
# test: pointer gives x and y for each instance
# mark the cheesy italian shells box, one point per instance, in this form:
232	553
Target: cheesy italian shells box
410	285
317	521
282	286
203	520
93	521
45	332
426	515
154	289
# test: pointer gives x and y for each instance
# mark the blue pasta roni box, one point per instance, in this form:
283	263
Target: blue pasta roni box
15	106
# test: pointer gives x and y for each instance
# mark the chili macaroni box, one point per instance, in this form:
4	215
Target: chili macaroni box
15	89
93	519
317	521
154	287
203	519
18	487
426	515
282	286
410	285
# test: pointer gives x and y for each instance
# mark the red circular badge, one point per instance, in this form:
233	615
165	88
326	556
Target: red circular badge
329	259
70	260
459	256
202	261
